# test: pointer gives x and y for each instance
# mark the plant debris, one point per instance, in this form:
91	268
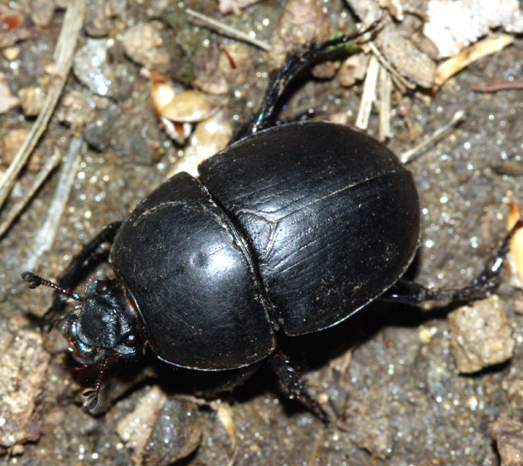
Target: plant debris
453	25
395	387
479	50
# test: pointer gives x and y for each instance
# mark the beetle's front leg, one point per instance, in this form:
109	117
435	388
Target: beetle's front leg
73	273
294	387
76	268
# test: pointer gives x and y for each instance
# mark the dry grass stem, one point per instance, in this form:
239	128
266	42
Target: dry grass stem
64	54
228	30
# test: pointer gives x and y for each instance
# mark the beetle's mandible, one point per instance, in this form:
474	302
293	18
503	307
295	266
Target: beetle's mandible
291	229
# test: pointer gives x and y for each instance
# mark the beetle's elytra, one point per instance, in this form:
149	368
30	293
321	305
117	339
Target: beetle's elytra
290	229
268	233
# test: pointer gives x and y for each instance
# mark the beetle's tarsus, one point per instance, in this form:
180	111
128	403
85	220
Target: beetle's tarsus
34	280
49	325
479	288
91	401
294	387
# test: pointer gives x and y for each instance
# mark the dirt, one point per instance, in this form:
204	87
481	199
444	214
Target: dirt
389	372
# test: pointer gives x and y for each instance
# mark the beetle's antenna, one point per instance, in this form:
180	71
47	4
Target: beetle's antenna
36	281
92	394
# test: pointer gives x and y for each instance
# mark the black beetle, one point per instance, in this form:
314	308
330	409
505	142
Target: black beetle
291	229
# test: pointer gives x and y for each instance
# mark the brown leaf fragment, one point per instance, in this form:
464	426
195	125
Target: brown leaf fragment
515	256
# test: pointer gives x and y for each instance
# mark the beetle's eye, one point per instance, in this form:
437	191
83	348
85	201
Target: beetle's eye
131	341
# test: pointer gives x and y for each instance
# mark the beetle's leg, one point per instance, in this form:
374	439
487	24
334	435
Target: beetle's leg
479	288
76	268
293	65
293	387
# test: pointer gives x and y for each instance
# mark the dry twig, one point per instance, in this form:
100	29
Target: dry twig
19	207
228	30
402	82
385	93
47	232
480	49
499	86
369	93
409	155
64	53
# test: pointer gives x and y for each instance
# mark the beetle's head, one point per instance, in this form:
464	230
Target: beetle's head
105	323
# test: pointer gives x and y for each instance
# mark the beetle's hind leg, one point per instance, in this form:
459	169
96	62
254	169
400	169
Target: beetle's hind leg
294	387
479	288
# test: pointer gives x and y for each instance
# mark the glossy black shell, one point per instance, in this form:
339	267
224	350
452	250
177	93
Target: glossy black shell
294	228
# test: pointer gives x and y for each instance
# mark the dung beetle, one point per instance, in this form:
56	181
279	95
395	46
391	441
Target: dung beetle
291	229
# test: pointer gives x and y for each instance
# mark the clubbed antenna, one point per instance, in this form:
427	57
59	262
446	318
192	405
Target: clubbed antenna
36	281
93	394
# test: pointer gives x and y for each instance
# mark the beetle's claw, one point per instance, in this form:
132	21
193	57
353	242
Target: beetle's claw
49	324
34	280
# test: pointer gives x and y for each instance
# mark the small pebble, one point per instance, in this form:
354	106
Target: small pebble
76	109
32	100
480	335
143	44
160	431
24	365
92	68
508	435
41	11
11	143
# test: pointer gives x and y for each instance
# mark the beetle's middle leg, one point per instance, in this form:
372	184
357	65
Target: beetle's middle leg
294	387
479	288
